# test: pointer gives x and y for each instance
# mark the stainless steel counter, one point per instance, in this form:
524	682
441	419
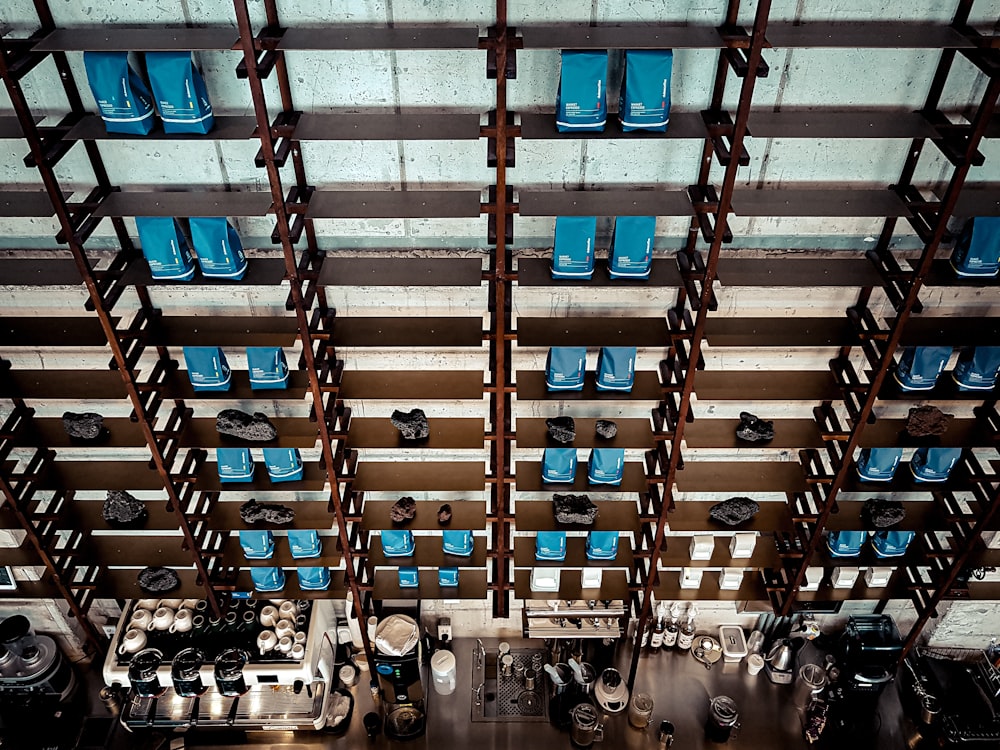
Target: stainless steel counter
680	687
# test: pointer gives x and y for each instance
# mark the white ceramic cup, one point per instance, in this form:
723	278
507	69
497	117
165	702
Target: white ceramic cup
266	641
755	663
133	640
183	621
298	652
299	637
288	610
285	644
189	603
171	603
163	618
269	616
285	627
150	604
141	619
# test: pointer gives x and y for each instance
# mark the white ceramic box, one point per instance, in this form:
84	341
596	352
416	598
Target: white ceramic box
545	579
845	578
691	578
590	578
742	544
877	578
730	579
702	547
812	579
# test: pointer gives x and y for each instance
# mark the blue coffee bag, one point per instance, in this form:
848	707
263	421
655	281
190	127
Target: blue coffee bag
559	465
616	368
267	579
645	97
878	464
283	464
207	368
573	254
268	367
304	543
565	367
313	579
934	464
602	545
919	367
977	252
891	543
458	543
977	368
550	545
631	254
256	545
179	91
122	97
397	543
845	543
220	254
234	464
582	102
606	466
409	577
447	577
165	248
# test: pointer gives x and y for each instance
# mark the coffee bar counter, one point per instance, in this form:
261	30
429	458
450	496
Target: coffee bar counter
681	689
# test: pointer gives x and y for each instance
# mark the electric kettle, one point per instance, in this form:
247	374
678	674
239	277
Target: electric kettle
611	692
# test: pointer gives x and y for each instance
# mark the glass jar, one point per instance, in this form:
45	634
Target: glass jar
723	719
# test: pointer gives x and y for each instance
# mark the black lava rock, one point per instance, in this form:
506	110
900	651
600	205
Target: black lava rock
253	512
754	430
561	429
878	513
444	514
606	428
927	421
88	426
574	509
412	425
734	511
403	510
256	427
122	509
158	580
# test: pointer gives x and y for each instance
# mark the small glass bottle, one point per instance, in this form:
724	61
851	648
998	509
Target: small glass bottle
686	636
656	639
673	628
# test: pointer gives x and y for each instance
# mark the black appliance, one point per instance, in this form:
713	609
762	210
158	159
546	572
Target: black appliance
31	666
869	652
399	678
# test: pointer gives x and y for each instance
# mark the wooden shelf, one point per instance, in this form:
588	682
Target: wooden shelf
293	432
406	272
471	585
329	557
432	125
429	553
177	385
921	515
127	551
313	480
359	37
576	555
537	272
193	203
465	516
336	590
529	479
225	128
144	39
875	35
798	272
37	331
10	127
779	332
356	385
542	126
593	332
942	273
978	201
86	514
25	555
853	202
25	204
43	589
849	123
612	515
766	385
741	477
34	272
230	330
260	272
623	36
48	432
632	433
309	514
904	481
370	432
121	584
659	202
962	433
414	476
721	433
668	589
692	516
982	591
928	331
614	585
408	332
400	204
100	475
531	387
677	554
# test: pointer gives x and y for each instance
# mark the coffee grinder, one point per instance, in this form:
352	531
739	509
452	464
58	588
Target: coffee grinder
397	663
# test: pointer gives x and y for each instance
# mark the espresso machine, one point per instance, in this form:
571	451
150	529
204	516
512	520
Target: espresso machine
397	664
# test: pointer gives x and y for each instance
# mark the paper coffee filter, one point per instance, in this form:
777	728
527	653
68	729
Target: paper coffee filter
397	635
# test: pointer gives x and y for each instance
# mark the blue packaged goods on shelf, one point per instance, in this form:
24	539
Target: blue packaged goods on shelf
179	92
234	464
582	101
165	248
268	367
396	543
283	464
616	368
606	466
879	464
977	252
845	543
565	367
257	545
573	254
645	99
218	247
631	254
207	368
122	97
892	543
304	543
448	577
934	464
550	545
457	542
602	545
267	579
977	368
559	465
409	578
919	367
313	579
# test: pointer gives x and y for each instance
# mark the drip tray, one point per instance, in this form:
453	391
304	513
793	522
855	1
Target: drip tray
505	699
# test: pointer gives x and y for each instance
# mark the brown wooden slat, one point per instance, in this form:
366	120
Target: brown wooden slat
961	433
48	432
10	127
531	387
225	128
54	271
576	555
413	476
72	385
781	332
372	432
632	433
25	203
25	555
340	271
465	516
622	36
100	475
428	552
798	272
669	589
876	35
178	386
408	332
51	331
854	202
942	273
614	585
593	332
692	515
681	125
535	272
766	385
43	589
471	585
135	551
260	272
972	201
612	515
143	39
293	432
677	554
741	476
429	126
891	123
86	514
359	37
721	433
226	330
929	331
313	480
529	479
411	386
398	204
194	203
662	202
309	514
920	516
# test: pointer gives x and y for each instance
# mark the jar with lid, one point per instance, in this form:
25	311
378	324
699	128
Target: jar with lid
723	719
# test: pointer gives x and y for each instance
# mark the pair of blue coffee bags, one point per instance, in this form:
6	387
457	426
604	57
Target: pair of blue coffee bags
166	249
919	367
630	255
126	102
566	366
208	369
581	102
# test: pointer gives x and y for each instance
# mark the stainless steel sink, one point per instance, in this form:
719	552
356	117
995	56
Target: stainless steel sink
496	698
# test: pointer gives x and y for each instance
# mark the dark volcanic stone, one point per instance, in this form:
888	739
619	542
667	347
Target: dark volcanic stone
574	509
606	428
86	426
158	580
412	425
121	509
256	427
444	514
562	429
734	511
253	512
881	514
403	510
754	430
927	421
